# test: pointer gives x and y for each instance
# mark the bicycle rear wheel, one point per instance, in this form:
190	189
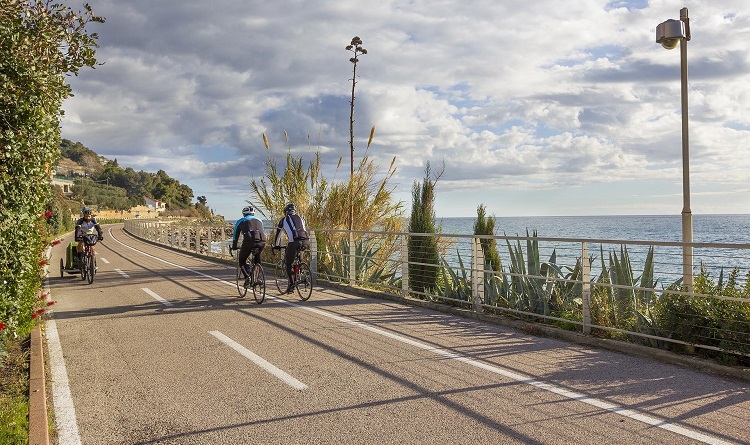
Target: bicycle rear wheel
241	289
304	282
280	276
91	266
259	283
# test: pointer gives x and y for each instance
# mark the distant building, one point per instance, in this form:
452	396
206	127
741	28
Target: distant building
155	204
65	184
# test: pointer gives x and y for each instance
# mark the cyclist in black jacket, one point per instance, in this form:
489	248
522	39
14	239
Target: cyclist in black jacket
294	227
251	228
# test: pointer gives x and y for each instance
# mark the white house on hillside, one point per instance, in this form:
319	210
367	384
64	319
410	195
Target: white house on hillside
155	204
65	184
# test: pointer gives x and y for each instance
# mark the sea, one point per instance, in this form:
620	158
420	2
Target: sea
715	228
720	229
732	229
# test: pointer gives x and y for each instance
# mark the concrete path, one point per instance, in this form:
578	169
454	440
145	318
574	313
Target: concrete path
159	349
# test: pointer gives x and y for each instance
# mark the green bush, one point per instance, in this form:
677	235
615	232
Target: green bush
40	43
711	321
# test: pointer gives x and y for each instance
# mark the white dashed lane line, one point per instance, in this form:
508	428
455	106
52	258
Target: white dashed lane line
260	361
156	297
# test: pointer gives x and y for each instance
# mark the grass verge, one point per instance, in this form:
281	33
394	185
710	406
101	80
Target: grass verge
14	392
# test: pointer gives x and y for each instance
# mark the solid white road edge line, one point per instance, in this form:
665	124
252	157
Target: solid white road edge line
649	420
156	297
65	413
260	361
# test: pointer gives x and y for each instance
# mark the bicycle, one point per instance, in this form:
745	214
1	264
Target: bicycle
301	274
88	265
256	280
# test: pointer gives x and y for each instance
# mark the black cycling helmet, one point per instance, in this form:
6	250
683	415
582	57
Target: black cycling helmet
85	211
247	211
290	209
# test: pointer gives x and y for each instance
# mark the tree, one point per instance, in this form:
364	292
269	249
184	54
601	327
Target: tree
355	47
40	43
485	225
423	250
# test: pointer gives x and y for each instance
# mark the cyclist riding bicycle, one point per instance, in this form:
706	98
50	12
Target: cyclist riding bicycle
83	225
251	228
293	225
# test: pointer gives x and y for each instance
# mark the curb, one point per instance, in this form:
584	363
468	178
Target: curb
38	425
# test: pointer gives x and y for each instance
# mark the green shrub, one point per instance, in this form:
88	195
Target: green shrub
40	43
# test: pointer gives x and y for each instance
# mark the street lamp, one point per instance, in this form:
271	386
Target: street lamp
670	34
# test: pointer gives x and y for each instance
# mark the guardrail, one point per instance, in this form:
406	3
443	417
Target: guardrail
628	290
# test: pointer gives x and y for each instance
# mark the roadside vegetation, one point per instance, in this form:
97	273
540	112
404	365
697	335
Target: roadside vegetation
41	42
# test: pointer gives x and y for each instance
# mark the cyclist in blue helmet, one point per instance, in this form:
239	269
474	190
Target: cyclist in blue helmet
251	228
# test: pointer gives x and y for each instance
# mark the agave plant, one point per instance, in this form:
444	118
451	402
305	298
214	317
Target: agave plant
452	285
368	264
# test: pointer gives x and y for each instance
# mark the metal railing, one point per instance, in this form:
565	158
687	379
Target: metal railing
629	290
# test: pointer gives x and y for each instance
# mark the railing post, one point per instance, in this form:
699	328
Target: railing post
477	275
352	261
313	255
586	288
197	239
210	240
405	265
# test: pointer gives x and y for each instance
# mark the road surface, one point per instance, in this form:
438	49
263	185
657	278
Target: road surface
159	350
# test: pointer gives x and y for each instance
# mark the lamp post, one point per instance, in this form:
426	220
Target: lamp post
670	34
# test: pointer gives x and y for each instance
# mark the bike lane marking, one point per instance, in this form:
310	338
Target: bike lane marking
65	413
156	296
104	260
122	273
572	395
260	361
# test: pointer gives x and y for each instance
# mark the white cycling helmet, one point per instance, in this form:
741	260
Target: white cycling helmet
247	211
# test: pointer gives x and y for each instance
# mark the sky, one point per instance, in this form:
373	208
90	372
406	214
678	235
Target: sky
543	108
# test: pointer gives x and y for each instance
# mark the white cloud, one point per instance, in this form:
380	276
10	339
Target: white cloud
515	97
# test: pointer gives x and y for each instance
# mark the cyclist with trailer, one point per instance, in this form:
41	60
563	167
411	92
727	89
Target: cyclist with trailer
253	236
86	223
293	225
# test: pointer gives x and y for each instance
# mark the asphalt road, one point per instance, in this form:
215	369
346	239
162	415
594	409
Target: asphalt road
159	349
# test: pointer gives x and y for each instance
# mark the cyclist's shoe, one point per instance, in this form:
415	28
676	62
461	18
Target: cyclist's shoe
289	289
247	282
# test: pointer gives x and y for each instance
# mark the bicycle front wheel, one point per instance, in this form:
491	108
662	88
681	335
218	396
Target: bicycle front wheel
280	276
304	282
241	289
259	283
91	265
84	269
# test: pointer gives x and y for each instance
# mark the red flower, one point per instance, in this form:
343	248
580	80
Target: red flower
40	311
43	262
34	315
43	297
48	213
56	242
2	325
50	303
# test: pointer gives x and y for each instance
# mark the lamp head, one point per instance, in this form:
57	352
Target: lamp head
670	33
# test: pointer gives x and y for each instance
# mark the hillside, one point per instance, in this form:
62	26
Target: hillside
104	183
